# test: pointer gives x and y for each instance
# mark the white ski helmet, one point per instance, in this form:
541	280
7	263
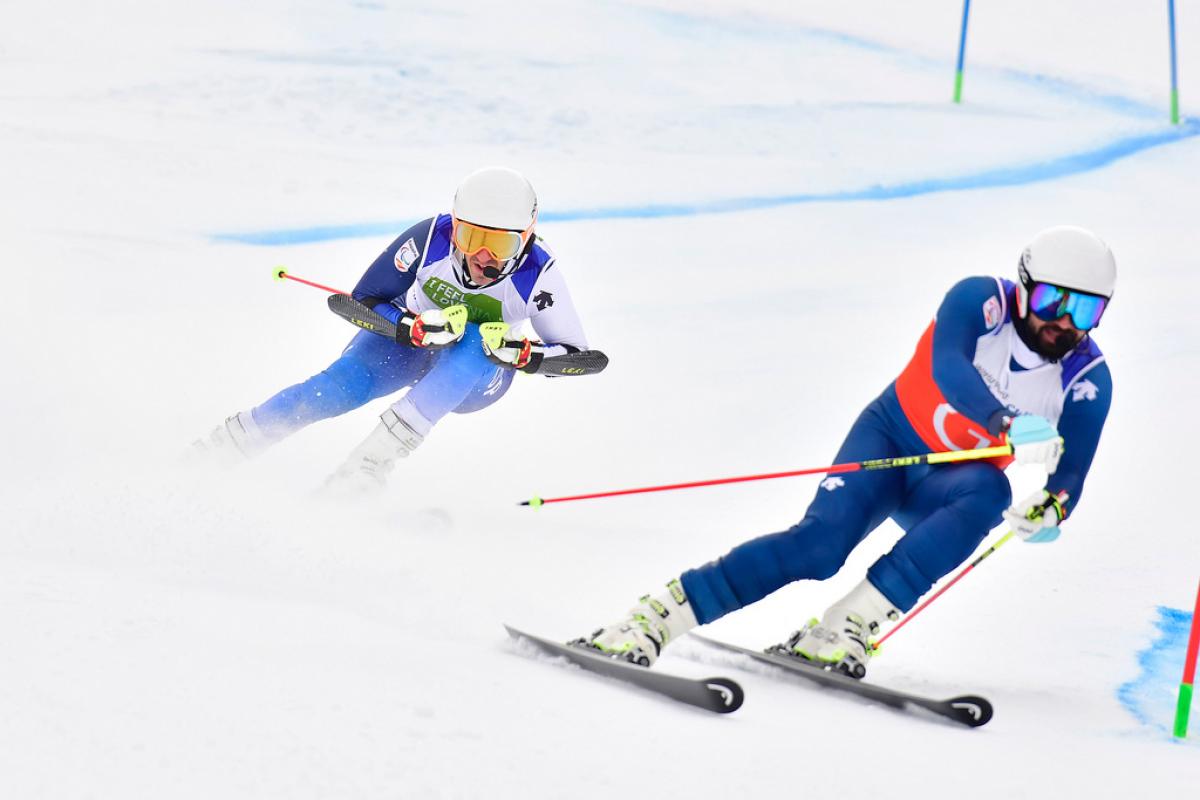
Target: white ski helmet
1069	257
499	208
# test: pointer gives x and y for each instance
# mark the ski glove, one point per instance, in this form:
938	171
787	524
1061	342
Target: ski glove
503	349
1035	519
1035	440
435	328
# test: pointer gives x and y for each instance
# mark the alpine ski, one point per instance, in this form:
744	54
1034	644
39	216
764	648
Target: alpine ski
970	710
712	694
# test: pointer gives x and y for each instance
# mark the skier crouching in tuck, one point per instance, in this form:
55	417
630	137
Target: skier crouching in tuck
1001	362
437	282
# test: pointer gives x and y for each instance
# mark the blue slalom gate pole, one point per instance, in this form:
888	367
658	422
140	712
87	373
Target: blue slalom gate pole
1174	71
962	48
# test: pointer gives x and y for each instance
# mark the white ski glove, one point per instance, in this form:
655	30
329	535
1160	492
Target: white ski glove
504	350
1035	519
437	327
1035	440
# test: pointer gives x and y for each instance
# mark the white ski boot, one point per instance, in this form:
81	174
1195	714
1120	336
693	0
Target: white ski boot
649	626
236	440
366	469
841	639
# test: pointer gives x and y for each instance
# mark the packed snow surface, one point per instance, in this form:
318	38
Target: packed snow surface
758	206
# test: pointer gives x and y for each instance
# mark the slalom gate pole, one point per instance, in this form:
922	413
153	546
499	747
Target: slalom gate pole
1174	71
281	274
1184	706
948	457
999	543
962	51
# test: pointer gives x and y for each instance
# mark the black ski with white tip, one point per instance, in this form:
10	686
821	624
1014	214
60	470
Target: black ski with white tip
712	694
970	710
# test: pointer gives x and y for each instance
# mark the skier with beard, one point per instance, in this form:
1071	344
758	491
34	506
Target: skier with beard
1002	362
437	282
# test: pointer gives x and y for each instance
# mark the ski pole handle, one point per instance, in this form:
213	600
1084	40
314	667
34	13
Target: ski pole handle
948	457
585	362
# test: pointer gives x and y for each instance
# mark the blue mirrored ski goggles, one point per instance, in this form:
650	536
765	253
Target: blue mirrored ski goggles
1051	302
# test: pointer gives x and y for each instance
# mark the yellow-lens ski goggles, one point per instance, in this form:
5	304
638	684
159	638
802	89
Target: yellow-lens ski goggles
471	238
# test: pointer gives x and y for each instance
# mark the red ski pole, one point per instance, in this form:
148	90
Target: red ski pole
876	645
1061	498
281	274
875	463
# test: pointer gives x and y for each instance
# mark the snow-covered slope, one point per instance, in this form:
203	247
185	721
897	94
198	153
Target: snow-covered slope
701	166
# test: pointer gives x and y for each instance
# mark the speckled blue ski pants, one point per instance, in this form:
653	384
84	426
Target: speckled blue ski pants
457	378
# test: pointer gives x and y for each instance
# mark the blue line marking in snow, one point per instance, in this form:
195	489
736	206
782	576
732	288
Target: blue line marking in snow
1019	175
1151	696
1079	93
699	24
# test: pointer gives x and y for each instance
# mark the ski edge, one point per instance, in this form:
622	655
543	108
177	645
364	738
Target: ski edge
717	694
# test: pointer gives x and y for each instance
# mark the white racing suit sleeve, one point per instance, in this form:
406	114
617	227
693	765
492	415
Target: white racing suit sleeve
553	316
